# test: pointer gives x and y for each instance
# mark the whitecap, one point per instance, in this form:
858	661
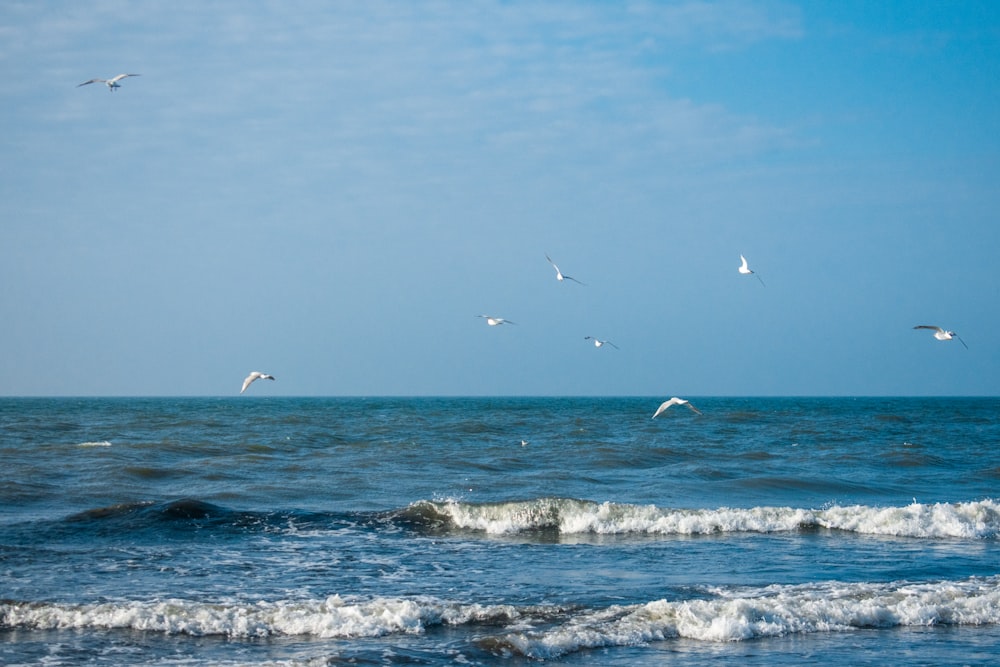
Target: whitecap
774	611
329	618
975	520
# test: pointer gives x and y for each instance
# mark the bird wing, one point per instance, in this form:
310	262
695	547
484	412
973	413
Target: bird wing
960	340
929	326
744	261
122	76
91	81
663	406
612	344
692	407
249	380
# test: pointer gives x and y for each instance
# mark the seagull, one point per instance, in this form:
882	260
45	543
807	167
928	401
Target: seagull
673	401
110	83
745	270
559	274
941	334
256	375
494	321
599	343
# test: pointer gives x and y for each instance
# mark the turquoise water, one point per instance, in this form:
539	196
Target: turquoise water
499	531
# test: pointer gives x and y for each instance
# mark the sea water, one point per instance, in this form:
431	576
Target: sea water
428	531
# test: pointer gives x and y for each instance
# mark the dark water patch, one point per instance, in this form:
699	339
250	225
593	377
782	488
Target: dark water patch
818	486
146	472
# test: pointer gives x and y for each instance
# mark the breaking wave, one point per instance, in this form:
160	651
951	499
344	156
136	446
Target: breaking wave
774	611
543	632
969	520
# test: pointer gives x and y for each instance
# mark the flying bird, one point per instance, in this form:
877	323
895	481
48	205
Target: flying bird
559	274
745	270
110	83
494	321
600	343
673	401
942	334
256	375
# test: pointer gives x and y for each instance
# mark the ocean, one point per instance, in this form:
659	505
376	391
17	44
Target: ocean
255	530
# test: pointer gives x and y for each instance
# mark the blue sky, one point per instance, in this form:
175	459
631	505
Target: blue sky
332	191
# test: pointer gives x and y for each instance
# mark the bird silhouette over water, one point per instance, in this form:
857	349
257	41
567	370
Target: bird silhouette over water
674	401
254	376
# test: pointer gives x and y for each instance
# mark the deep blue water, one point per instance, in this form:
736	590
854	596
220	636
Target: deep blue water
312	531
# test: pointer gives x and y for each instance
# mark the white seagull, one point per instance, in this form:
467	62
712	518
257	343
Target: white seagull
256	375
942	334
745	270
494	321
559	274
110	83
600	343
673	401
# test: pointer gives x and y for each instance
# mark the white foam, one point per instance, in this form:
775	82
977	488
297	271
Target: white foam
722	615
333	617
770	612
976	520
96	443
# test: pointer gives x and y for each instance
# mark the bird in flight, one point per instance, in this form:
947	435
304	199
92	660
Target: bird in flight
673	401
559	274
494	321
256	375
110	83
745	270
942	334
601	343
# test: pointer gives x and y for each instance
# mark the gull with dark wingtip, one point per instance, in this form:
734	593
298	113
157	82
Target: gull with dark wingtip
560	276
495	321
256	375
600	343
942	334
745	270
674	401
110	83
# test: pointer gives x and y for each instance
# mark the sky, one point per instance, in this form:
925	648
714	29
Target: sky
332	192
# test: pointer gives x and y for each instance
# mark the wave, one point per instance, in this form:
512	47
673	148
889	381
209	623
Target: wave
330	618
544	632
774	611
549	518
970	520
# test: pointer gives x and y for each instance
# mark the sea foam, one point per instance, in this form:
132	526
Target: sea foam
972	520
774	611
332	617
722	614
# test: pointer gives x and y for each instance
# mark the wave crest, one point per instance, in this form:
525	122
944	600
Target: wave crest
330	618
969	520
774	611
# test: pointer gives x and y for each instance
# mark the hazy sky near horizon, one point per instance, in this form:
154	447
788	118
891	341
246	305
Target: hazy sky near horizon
331	192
